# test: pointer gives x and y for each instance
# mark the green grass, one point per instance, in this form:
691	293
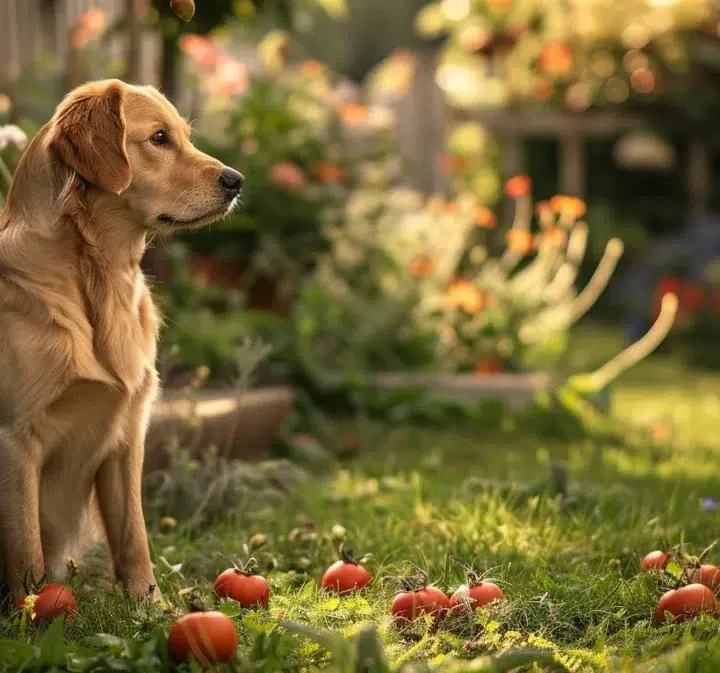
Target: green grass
435	500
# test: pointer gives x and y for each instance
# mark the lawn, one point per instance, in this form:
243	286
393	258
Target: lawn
436	500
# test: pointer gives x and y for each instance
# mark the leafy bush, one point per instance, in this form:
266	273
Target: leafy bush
289	130
415	283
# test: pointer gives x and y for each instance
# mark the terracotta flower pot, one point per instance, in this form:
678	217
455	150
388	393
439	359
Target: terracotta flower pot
227	274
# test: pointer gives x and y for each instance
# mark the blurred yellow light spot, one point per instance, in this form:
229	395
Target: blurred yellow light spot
456	10
635	60
643	81
577	96
636	36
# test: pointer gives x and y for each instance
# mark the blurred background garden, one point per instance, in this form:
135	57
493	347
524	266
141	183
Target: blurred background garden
477	263
377	139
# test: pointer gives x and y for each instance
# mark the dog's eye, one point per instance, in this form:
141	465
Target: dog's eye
160	138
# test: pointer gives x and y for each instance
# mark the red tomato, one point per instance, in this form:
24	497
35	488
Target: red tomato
248	590
657	560
476	595
52	601
407	606
345	577
209	637
686	602
706	575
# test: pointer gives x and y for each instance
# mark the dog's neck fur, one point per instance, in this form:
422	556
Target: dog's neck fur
98	286
60	199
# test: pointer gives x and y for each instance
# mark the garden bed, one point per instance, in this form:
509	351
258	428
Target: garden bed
240	426
516	390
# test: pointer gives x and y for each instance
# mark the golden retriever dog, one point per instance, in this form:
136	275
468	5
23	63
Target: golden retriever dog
78	329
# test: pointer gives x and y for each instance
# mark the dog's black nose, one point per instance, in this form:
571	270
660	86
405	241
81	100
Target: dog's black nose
231	180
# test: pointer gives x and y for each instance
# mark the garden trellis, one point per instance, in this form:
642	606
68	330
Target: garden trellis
423	118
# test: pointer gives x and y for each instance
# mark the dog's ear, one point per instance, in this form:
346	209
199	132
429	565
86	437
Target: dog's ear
87	134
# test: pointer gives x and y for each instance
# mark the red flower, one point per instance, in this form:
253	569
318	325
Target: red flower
556	59
556	236
488	365
288	176
421	266
353	114
463	294
485	218
312	68
520	241
569	206
518	186
328	173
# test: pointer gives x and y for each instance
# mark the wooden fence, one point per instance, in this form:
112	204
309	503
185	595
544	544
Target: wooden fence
34	32
32	29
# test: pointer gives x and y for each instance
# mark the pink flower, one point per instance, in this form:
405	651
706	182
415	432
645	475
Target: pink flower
91	25
230	79
202	51
288	176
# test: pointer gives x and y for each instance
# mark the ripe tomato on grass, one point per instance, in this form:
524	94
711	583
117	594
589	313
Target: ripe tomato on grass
248	589
685	603
475	595
346	575
51	601
409	604
656	560
707	575
208	637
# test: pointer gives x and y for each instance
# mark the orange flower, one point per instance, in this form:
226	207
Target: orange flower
463	294
312	68
520	241
555	236
556	59
230	79
475	38
488	365
201	50
421	266
568	206
542	88
328	173
353	114
543	209
518	186
288	176
447	163
485	218
451	208
5	104
91	25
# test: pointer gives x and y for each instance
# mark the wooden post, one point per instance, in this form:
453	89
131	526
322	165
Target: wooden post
699	177
572	160
513	154
132	54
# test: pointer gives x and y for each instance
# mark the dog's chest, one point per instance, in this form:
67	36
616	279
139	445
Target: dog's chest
124	325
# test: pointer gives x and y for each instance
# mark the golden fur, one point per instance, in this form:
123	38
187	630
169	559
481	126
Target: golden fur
78	327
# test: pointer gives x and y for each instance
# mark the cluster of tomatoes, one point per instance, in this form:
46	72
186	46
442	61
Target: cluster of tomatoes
694	588
210	636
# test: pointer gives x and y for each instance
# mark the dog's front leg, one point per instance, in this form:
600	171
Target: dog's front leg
119	490
20	541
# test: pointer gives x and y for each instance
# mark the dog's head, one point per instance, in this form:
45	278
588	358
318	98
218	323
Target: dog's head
131	142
